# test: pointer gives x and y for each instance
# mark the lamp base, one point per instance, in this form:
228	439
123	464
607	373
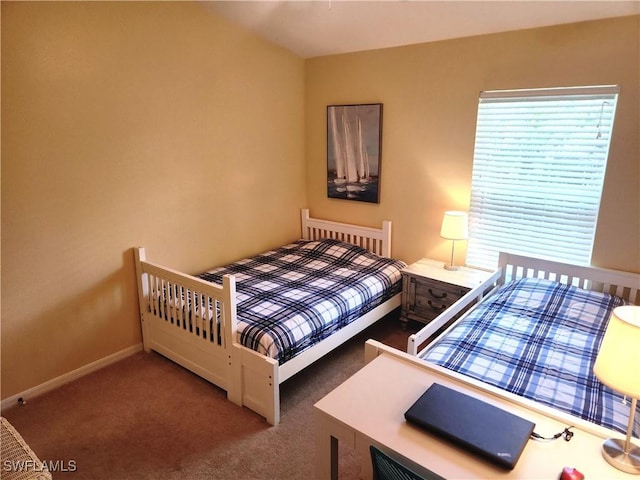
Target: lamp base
613	452
451	267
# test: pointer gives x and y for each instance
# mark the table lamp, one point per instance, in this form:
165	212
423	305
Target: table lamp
454	227
618	366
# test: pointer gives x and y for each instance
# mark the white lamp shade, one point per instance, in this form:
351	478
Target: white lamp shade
618	361
454	226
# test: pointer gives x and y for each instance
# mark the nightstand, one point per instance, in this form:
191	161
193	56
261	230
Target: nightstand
428	289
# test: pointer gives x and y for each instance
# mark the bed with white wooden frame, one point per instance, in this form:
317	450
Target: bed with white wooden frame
250	379
510	266
514	268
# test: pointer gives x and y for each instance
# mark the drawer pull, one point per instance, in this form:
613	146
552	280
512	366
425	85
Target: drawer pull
436	307
435	295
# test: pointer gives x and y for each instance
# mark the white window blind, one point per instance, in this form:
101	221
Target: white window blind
538	169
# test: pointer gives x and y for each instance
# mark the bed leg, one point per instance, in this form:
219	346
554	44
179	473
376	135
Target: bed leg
143	295
234	368
371	350
254	383
273	416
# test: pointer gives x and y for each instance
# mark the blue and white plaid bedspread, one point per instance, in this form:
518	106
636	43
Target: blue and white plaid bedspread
539	339
290	298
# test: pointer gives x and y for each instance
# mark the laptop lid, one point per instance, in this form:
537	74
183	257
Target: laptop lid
477	426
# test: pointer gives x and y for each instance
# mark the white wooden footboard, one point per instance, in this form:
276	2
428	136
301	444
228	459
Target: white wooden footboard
188	320
622	284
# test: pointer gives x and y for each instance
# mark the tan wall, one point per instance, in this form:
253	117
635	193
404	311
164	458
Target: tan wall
124	124
430	95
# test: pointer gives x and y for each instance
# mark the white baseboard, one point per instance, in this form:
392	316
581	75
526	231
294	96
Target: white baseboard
69	377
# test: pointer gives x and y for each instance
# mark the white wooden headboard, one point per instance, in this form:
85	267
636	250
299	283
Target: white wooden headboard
622	284
376	240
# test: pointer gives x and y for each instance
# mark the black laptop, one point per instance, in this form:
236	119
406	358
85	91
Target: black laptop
497	435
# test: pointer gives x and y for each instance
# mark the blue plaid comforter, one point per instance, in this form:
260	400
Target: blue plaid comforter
539	339
290	298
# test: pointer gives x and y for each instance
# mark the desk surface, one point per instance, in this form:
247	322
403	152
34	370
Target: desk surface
371	404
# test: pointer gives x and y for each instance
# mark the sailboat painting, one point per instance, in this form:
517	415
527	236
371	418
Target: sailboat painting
354	138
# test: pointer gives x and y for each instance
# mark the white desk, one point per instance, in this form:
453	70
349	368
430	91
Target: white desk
369	408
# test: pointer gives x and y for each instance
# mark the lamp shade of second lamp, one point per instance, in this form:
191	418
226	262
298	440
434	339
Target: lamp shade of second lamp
455	226
618	366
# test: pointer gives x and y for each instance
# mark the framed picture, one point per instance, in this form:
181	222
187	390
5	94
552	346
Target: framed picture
354	144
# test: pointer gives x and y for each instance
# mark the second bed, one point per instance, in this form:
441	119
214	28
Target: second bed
534	332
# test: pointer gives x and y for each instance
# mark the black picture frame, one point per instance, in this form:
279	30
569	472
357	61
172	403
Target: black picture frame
354	147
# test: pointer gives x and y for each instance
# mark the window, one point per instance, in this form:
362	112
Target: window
538	170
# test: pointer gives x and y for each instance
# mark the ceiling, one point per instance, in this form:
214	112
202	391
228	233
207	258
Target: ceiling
316	28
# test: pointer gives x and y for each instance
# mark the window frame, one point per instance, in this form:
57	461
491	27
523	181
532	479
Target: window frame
530	178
